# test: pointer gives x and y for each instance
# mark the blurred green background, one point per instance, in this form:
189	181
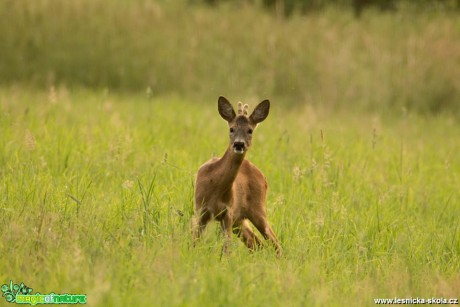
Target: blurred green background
360	54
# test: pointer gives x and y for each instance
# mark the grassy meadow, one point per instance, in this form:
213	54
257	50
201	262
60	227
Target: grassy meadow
107	110
96	195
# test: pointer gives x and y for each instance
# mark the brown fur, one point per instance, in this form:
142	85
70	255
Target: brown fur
231	189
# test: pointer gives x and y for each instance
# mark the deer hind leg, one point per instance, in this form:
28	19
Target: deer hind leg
199	223
244	231
264	228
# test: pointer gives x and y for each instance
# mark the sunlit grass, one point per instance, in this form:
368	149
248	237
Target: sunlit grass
96	196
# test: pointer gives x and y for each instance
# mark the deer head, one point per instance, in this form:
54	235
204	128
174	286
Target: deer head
241	126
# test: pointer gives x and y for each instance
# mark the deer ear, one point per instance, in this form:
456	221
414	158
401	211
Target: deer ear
225	109
260	113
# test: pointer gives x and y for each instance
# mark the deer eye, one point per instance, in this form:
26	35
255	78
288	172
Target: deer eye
250	131
232	130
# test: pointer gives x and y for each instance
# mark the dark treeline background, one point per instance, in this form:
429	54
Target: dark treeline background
398	55
287	7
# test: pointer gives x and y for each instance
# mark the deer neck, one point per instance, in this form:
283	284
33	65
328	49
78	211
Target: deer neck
230	164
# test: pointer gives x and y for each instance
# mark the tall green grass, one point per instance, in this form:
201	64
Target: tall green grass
96	196
379	62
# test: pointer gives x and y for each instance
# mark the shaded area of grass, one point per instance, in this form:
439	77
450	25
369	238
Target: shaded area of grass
381	62
96	195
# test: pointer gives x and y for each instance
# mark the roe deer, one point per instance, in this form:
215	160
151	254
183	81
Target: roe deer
231	189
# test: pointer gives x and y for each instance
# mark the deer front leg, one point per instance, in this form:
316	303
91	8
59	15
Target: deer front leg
199	222
227	224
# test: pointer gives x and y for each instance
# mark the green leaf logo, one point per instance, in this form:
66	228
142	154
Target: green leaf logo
10	292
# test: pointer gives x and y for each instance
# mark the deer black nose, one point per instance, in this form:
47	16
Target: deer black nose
238	146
